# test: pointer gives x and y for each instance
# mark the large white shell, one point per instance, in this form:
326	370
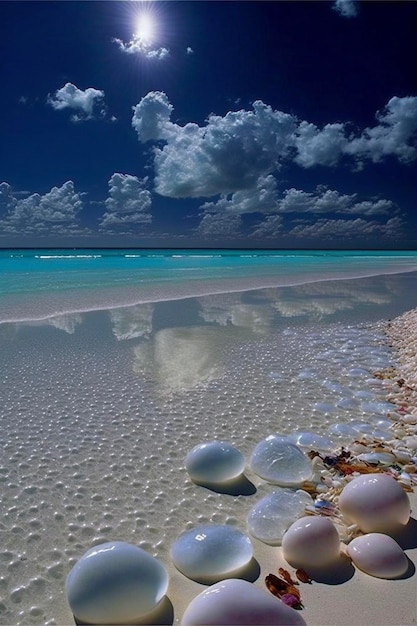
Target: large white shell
375	502
378	555
211	552
239	603
311	542
270	517
214	462
115	583
280	462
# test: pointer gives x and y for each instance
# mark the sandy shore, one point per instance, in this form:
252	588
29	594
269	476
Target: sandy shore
100	456
354	598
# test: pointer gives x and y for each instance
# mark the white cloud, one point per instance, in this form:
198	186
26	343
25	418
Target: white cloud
262	198
346	8
325	200
52	213
139	46
190	50
319	147
88	104
395	135
269	228
228	154
128	203
353	229
222	226
7	199
231	153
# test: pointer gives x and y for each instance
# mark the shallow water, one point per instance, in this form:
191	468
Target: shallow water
98	411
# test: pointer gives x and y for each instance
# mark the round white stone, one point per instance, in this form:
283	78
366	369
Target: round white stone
311	542
115	583
375	502
378	555
214	462
270	517
239	603
280	462
211	552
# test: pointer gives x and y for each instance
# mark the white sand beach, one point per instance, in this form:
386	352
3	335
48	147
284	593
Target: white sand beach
106	461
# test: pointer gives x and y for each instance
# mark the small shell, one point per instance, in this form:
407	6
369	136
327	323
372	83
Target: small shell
303	576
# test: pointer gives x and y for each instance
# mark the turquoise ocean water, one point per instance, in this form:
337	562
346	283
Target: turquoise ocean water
39	283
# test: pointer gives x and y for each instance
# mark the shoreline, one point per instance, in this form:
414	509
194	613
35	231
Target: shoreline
133	296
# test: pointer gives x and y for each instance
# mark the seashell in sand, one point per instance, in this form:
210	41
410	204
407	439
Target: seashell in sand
239	603
378	555
311	542
375	502
211	553
214	462
115	583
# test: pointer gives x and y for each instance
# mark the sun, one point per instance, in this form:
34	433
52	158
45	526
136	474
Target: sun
145	27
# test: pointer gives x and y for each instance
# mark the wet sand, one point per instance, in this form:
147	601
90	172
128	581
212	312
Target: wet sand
100	410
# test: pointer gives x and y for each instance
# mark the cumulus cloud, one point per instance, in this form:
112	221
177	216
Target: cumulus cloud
262	198
395	135
55	212
220	226
346	229
269	228
139	46
325	200
228	154
319	147
87	104
231	153
128	204
346	8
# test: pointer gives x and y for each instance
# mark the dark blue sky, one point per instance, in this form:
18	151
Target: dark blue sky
206	123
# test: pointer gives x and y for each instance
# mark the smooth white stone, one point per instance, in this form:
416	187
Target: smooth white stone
115	583
211	552
239	603
311	441
280	462
378	555
214	462
342	430
375	502
311	542
270	517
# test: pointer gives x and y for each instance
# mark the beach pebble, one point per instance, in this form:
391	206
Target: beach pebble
115	583
270	517
378	555
312	441
375	502
214	462
311	542
280	462
211	552
383	458
239	603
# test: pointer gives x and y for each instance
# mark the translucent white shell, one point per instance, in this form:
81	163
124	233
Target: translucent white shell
375	502
270	517
378	555
115	583
214	462
280	462
212	552
239	603
311	542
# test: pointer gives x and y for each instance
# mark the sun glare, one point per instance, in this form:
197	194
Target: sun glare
145	27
